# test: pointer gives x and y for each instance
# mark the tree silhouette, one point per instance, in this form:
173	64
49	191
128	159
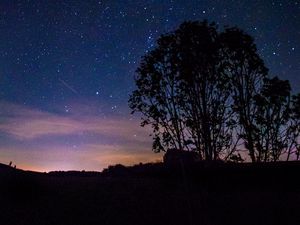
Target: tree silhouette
157	97
183	94
205	88
208	91
293	134
272	118
247	71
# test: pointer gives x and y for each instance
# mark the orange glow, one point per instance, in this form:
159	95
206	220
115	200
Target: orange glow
43	141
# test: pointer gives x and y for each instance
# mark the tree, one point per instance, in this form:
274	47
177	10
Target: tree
205	88
293	134
157	97
272	119
208	91
183	93
247	72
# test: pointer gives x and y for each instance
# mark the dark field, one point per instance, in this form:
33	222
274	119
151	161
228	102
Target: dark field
154	194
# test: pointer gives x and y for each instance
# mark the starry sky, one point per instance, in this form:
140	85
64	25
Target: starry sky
67	68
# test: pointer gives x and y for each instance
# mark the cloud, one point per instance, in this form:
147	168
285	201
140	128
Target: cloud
44	141
88	157
24	123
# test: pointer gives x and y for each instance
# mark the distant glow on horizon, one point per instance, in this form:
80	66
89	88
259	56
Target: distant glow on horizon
88	160
43	141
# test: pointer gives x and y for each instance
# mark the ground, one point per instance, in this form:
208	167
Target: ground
208	194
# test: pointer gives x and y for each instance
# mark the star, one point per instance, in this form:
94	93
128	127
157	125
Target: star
75	57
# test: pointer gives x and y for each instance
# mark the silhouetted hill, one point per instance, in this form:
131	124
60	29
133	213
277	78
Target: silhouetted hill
201	193
73	173
5	168
282	174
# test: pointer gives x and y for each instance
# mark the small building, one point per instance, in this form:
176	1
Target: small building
175	157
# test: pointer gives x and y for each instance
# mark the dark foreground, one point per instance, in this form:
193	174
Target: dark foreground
153	194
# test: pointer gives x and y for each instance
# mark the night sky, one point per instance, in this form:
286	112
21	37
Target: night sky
67	67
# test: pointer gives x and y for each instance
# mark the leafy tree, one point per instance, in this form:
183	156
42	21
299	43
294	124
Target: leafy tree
272	119
293	134
157	96
247	72
183	93
207	91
